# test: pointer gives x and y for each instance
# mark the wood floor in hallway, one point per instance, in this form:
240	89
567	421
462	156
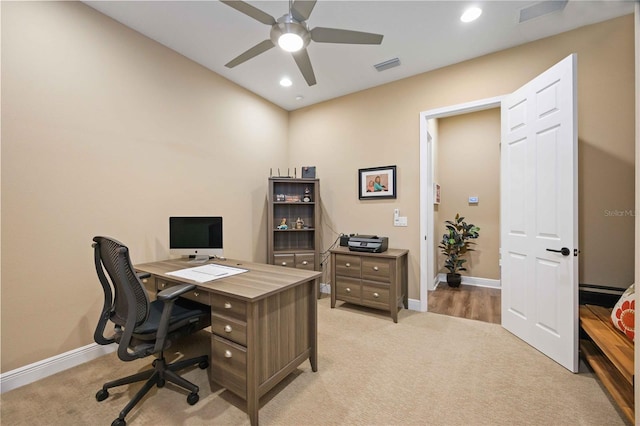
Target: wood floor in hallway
466	301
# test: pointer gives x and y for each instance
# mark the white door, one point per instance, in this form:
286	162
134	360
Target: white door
539	213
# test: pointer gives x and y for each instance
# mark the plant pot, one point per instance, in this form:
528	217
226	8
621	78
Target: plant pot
454	280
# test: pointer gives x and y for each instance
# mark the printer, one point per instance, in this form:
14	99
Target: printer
368	243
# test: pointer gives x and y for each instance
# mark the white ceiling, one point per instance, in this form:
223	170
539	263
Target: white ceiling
424	35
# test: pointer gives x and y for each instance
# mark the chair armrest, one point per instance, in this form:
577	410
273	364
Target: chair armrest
174	291
143	275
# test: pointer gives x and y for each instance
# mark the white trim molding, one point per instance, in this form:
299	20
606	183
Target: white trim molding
39	370
475	281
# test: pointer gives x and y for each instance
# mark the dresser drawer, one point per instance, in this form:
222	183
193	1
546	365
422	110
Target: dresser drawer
286	260
305	261
195	295
376	269
348	289
229	307
375	296
348	266
229	328
229	365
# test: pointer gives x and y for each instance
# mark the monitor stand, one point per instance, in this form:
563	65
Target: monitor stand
199	259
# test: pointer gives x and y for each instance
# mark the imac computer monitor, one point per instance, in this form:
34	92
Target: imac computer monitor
196	237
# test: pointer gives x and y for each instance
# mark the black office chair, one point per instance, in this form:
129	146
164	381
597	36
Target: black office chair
144	328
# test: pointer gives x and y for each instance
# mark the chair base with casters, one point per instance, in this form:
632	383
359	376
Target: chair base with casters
157	376
142	327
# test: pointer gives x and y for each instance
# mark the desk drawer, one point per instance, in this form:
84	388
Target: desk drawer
229	307
229	328
229	365
348	266
195	295
376	269
150	285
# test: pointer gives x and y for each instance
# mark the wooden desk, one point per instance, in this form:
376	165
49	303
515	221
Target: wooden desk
263	323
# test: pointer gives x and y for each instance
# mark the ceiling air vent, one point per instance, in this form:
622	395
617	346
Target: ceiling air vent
387	64
540	9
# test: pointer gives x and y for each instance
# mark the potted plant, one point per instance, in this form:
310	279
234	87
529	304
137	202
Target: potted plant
455	244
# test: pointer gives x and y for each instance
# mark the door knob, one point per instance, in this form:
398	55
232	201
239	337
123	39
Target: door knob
564	251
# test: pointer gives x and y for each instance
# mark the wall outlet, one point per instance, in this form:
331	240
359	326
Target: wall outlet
400	221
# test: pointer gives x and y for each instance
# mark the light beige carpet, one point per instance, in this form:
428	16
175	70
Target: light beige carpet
428	369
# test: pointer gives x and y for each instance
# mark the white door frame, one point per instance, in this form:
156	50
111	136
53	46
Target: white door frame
427	254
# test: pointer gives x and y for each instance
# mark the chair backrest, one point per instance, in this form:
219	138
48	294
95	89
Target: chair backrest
128	304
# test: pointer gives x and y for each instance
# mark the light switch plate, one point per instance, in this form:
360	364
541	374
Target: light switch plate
473	200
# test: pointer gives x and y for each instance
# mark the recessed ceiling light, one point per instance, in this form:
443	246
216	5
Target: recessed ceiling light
285	82
299	98
471	14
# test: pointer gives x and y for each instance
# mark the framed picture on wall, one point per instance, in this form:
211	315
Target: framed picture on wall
436	193
377	182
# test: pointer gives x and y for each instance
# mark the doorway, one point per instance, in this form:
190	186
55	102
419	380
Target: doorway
428	243
466	169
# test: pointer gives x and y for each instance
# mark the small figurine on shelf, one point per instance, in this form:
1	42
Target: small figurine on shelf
283	224
307	195
299	223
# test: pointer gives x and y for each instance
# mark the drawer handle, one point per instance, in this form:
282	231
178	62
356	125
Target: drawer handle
228	354
375	268
196	294
305	263
227	305
347	264
145	281
227	328
163	285
376	295
284	263
348	290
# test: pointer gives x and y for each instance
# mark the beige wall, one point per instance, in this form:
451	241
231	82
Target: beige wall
468	161
106	132
380	126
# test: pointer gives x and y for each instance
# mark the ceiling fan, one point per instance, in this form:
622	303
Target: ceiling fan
292	34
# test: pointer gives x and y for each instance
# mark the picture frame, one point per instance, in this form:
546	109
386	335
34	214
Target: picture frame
377	183
436	193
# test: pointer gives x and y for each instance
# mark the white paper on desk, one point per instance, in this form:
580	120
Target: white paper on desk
204	273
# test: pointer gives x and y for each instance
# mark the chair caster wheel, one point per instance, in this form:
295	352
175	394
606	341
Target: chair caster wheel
102	394
193	398
203	365
161	383
118	422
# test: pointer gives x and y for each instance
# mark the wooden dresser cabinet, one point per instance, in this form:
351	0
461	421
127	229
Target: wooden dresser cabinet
376	280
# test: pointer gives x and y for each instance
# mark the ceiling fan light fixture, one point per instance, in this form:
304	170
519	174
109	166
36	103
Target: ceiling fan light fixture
290	42
290	35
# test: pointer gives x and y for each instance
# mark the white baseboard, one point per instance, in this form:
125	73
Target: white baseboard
39	370
478	282
414	305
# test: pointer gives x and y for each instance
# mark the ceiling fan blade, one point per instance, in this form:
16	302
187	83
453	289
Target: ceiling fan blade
259	48
301	9
251	11
334	35
304	64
